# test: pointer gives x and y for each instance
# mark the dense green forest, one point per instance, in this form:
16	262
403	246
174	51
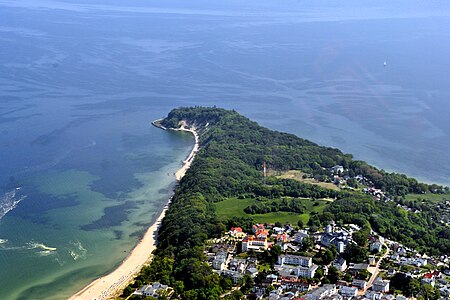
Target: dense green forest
229	164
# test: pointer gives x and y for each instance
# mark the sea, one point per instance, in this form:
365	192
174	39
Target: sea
82	171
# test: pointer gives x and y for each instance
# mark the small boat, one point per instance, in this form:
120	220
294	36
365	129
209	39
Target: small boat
385	64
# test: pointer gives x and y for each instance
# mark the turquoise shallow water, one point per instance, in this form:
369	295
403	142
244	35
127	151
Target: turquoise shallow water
66	232
80	82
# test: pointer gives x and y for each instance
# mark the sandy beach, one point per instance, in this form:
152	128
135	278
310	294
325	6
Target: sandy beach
109	286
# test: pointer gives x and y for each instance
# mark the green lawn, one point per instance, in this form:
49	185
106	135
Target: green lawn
435	198
235	207
298	176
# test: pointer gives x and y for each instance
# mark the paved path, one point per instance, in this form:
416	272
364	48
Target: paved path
376	271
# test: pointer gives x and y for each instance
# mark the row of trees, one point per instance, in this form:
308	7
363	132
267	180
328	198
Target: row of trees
293	205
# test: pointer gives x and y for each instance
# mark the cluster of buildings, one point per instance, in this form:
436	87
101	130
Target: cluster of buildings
294	275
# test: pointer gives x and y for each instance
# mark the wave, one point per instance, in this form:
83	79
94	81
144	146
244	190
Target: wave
9	201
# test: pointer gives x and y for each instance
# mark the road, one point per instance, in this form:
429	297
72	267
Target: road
375	271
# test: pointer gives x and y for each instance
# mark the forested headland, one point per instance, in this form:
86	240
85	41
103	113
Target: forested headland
229	164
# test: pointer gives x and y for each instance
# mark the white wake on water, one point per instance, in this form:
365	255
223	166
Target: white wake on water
34	245
44	250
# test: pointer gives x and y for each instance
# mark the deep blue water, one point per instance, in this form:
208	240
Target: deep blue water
80	82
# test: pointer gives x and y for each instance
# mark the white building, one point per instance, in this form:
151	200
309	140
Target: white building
329	229
360	284
347	291
151	290
380	285
219	261
324	291
254	243
337	169
340	247
299	236
299	271
340	264
375	246
306	272
295	260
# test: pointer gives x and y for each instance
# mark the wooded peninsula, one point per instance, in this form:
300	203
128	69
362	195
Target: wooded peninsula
307	185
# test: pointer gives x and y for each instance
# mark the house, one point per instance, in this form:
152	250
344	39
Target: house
375	247
262	233
445	291
326	290
299	236
237	232
278	230
360	284
395	257
254	243
288	228
337	169
347	291
257	227
233	275
420	262
295	272
340	247
428	278
340	263
252	272
220	260
295	260
437	274
305	271
329	229
258	292
358	267
276	294
282	238
237	265
272	278
290	247
291	284
380	285
288	296
153	290
401	251
339	239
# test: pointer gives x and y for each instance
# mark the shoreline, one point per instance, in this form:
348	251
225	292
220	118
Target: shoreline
109	286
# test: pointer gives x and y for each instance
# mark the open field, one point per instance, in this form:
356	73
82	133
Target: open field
435	198
298	175
235	207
